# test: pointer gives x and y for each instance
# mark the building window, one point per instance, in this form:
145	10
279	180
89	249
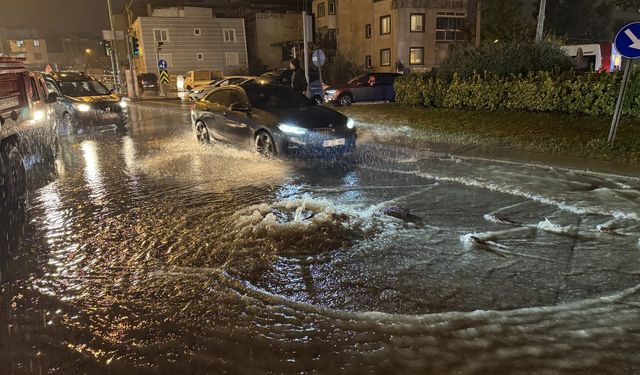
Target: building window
385	25
367	31
449	26
19	43
367	61
231	59
229	36
416	55
161	35
321	10
332	7
385	57
36	42
200	56
417	23
197	32
37	56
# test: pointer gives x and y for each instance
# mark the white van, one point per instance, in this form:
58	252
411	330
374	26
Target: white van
195	78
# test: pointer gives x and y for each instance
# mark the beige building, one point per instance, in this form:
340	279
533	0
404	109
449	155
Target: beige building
193	39
33	50
270	38
389	35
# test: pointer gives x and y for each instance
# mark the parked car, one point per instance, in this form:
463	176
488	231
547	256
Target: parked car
367	87
195	78
148	81
27	126
282	76
201	91
82	102
272	119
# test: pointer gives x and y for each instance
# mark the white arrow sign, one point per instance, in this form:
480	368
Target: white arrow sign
634	39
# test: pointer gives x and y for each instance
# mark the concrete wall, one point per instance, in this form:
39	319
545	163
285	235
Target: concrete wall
274	28
183	45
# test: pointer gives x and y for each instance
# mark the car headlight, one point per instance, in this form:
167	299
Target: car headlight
83	107
351	124
330	92
291	129
123	104
38	115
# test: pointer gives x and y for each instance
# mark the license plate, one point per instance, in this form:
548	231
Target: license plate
334	142
9	103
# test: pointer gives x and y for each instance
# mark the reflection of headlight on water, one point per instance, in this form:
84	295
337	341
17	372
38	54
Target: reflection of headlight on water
290	129
351	124
38	115
83	107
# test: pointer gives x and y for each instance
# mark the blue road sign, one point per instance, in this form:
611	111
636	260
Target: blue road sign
162	64
628	41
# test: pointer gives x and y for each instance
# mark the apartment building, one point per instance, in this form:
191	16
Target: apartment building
392	35
193	39
33	50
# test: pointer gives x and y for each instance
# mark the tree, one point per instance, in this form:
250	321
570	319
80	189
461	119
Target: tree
503	20
628	4
580	20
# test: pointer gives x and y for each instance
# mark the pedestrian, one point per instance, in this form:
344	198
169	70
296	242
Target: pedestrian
298	80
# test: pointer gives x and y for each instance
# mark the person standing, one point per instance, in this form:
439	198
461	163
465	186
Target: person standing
298	80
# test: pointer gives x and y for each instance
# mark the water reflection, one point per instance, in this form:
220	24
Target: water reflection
92	169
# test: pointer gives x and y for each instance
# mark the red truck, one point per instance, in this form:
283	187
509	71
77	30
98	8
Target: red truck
27	126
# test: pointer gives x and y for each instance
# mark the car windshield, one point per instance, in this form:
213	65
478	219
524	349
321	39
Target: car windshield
83	88
269	97
360	80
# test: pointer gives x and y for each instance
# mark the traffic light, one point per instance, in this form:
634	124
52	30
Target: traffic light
135	46
107	47
159	46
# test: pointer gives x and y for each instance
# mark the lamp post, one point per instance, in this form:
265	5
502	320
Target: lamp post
541	14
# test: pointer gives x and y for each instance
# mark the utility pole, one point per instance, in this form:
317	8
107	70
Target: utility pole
541	14
478	22
158	48
116	65
305	27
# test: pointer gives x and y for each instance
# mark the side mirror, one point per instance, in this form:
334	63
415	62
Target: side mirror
52	98
112	91
238	107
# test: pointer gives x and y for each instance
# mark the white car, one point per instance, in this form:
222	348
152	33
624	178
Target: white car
201	91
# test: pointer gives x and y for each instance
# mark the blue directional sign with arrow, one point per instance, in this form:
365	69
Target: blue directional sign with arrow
162	64
628	41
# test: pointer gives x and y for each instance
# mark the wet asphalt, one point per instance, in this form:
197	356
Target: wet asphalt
146	252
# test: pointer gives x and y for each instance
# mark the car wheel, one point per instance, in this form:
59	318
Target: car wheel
345	100
14	181
265	145
202	133
70	125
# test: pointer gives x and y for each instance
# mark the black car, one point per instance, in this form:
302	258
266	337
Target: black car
273	119
282	76
83	102
147	81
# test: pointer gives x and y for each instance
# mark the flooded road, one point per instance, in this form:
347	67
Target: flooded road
146	252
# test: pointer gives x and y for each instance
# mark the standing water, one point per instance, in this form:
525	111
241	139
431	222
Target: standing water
149	253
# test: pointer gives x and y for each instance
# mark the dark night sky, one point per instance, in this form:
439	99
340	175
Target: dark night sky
57	15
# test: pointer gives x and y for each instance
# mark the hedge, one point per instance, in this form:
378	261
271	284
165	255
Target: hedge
591	94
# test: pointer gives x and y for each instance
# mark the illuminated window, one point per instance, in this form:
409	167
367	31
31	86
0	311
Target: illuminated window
36	42
417	23
385	25
416	55
19	43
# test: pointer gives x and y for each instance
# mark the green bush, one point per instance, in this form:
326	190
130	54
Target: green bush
505	59
591	94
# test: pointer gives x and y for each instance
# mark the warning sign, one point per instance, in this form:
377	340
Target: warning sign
164	76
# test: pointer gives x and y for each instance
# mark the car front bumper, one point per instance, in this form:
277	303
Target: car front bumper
315	143
101	115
